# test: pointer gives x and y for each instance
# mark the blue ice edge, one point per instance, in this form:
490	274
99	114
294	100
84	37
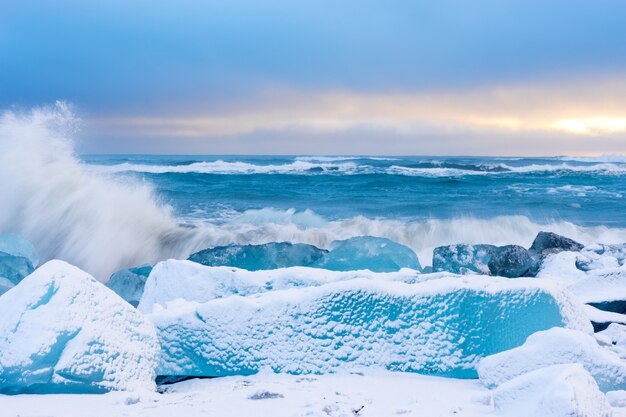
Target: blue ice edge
439	327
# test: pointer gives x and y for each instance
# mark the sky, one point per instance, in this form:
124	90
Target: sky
438	77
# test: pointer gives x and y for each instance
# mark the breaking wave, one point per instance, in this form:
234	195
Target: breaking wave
102	222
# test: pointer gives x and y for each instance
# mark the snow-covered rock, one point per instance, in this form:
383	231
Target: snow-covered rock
258	257
553	347
368	252
440	327
63	331
463	259
190	281
129	283
554	391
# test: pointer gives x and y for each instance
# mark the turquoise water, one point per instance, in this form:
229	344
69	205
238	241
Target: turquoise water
586	192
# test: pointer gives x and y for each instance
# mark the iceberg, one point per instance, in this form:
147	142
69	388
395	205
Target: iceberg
17	246
129	283
554	391
64	332
174	279
553	347
367	252
259	257
439	327
463	259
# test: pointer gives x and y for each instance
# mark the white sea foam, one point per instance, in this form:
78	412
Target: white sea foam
343	167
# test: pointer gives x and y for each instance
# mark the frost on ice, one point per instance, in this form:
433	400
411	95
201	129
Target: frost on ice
553	347
440	327
62	331
190	281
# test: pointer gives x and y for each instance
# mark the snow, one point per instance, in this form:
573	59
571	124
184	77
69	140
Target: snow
553	347
190	281
440	327
62	331
554	391
367	394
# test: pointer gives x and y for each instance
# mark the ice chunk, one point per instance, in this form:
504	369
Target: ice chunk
440	327
463	259
513	261
14	268
129	283
16	245
553	347
174	279
63	331
367	252
548	243
555	391
258	257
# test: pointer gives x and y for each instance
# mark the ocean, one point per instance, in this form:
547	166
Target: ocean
107	212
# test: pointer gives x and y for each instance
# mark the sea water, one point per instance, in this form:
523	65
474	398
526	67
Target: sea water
108	212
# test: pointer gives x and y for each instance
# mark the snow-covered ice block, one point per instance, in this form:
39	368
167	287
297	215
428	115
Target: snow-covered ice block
553	347
190	281
463	259
63	331
368	252
129	283
614	338
258	257
440	327
554	391
16	245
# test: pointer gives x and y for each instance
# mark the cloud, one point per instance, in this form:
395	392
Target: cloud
592	107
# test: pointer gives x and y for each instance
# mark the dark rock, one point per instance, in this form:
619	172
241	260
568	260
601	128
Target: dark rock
548	243
513	261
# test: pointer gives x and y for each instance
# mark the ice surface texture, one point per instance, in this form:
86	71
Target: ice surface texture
364	252
440	327
62	331
257	257
367	252
555	391
463	259
553	347
190	281
129	283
